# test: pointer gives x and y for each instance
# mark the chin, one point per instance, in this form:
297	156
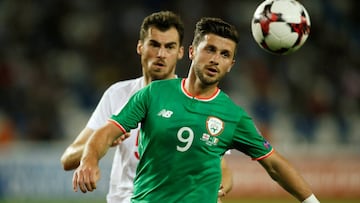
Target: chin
159	76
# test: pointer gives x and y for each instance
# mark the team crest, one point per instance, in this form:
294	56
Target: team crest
214	126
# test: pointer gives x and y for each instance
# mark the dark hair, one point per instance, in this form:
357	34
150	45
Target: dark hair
162	20
217	26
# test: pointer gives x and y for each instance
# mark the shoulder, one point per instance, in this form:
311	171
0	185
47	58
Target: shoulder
161	87
169	83
131	85
127	83
225	98
228	108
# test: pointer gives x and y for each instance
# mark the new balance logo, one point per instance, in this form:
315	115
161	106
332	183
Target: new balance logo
165	113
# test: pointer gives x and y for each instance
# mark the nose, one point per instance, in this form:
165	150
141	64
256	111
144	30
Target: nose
162	52
215	58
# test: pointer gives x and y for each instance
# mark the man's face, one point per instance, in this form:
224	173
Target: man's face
159	53
212	58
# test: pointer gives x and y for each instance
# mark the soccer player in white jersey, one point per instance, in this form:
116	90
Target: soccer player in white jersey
186	127
160	47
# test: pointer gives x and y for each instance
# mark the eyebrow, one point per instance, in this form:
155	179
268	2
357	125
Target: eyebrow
221	50
166	44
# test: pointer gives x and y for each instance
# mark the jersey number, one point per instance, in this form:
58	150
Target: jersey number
186	136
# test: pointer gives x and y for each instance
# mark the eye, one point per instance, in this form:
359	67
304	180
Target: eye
225	54
154	44
170	46
210	49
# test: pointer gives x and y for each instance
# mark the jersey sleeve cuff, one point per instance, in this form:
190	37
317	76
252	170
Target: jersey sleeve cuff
264	156
118	125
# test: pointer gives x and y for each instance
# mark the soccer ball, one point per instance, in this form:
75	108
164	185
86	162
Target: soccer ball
280	26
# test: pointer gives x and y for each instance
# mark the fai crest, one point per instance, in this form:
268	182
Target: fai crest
214	126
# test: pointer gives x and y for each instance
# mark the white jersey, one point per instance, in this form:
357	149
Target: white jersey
126	153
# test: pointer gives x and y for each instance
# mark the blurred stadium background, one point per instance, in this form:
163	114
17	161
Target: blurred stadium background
57	57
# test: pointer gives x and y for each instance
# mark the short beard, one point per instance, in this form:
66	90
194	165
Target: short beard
161	76
205	80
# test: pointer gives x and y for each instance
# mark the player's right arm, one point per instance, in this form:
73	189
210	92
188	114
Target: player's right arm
71	157
88	173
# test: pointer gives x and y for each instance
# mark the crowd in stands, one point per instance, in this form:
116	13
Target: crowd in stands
57	57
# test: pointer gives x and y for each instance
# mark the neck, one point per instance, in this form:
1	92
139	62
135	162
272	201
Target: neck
198	89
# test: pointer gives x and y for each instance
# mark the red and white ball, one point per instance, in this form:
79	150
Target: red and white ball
280	26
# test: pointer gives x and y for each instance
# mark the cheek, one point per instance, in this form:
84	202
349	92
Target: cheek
148	51
172	61
201	58
146	59
147	55
226	67
174	56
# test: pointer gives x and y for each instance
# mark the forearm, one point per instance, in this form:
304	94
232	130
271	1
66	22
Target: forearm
100	142
71	157
227	179
289	179
97	145
227	183
286	176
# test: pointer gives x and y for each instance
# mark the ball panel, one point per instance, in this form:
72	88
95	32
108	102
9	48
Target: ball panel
257	33
272	42
288	9
280	29
290	40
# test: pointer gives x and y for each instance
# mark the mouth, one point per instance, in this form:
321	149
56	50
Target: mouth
212	70
159	64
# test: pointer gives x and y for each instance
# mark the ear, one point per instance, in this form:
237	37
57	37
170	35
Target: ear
139	47
232	65
181	53
191	52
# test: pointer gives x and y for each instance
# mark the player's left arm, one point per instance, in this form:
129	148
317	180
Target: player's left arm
288	177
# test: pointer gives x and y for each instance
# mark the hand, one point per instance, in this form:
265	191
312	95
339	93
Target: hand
120	139
221	192
85	177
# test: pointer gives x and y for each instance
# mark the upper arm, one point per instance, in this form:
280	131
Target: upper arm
110	132
134	111
248	139
276	165
270	162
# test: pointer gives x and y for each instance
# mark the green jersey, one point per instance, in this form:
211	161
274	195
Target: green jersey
183	139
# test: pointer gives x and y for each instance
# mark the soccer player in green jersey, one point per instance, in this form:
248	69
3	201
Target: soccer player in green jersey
159	47
186	127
